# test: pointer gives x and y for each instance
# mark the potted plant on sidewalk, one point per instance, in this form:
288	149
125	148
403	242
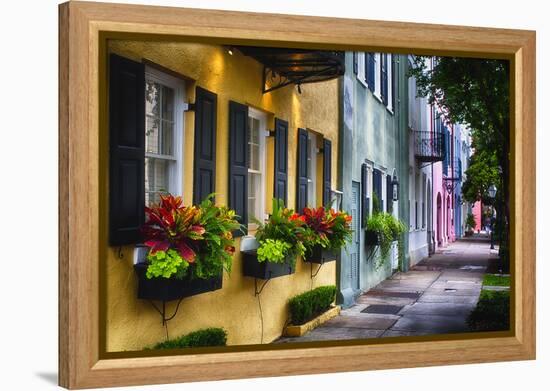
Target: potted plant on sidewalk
326	232
279	243
189	247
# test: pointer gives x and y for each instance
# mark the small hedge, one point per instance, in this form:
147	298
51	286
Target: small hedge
492	312
201	338
308	305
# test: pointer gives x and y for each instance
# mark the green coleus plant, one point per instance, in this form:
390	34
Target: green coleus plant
273	250
166	264
281	235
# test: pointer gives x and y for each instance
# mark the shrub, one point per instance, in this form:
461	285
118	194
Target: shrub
492	312
308	305
212	336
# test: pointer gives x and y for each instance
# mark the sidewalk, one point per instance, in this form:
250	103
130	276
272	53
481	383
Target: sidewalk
434	297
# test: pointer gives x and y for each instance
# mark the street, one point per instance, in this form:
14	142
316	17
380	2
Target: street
434	297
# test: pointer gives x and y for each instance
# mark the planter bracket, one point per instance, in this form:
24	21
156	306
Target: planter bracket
256	291
162	312
311	274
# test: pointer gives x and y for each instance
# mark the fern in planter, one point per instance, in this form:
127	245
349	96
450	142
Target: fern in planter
388	229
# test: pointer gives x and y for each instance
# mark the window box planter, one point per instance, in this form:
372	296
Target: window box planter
371	238
168	289
320	255
264	270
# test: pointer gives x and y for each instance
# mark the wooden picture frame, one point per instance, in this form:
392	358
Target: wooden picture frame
83	29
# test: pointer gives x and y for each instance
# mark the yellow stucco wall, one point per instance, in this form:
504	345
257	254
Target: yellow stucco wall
133	324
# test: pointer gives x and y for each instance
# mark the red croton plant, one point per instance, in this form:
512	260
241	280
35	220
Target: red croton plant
327	227
170	224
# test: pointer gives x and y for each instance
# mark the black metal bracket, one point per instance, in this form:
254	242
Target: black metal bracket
453	183
311	274
256	291
162	312
271	133
190	107
279	81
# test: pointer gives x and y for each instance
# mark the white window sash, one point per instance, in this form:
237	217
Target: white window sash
361	65
175	171
260	196
389	71
377	76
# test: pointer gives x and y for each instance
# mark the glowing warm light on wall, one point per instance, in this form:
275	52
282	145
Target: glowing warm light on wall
296	107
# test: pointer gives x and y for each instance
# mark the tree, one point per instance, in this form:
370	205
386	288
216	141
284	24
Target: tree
482	172
475	92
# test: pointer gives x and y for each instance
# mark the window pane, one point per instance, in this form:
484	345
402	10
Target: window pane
152	98
152	134
311	193
255	131
167	138
156	179
167	103
255	158
252	196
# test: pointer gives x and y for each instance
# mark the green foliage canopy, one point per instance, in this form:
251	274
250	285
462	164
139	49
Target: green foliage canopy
483	171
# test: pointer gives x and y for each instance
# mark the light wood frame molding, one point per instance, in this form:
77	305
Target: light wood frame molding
81	29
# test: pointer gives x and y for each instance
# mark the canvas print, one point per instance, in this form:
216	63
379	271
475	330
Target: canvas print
267	196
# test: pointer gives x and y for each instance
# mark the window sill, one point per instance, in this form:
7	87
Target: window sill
362	82
378	98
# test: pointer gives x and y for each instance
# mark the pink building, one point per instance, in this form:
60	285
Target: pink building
476	211
443	199
442	209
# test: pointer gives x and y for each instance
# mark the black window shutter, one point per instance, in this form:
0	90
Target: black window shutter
204	177
389	194
327	171
280	189
364	199
238	162
384	77
370	71
301	174
355	63
127	150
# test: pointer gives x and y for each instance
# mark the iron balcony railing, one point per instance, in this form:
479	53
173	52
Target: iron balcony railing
429	146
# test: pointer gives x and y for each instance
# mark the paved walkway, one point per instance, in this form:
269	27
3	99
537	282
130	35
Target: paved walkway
434	297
